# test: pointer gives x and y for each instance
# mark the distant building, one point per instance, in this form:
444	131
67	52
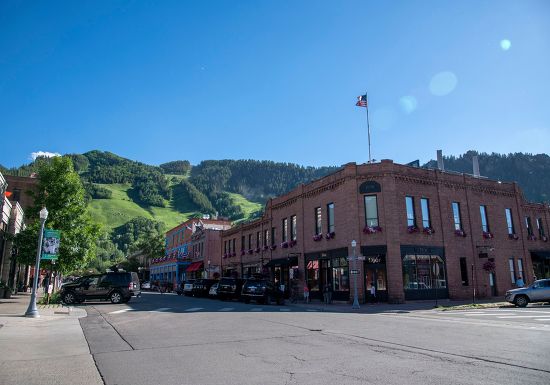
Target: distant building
186	256
421	234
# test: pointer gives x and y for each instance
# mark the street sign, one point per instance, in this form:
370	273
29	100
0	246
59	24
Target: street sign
361	258
354	271
50	244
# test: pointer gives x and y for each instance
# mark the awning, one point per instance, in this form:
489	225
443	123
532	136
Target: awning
194	267
290	261
542	254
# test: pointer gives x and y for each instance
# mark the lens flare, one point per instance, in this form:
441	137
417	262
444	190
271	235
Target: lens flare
443	83
408	104
505	44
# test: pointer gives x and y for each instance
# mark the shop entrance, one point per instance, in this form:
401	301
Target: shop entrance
541	264
375	273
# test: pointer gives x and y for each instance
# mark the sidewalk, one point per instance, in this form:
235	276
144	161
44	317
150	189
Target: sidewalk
384	307
46	350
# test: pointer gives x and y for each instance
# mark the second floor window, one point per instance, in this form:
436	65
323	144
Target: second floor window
411	219
258	239
456	216
273	235
234	241
425	206
529	226
330	217
540	227
293	228
243	246
509	221
318	223
285	230
484	222
371	211
266	237
249	241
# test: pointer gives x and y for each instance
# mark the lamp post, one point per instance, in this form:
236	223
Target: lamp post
354	258
32	311
209	275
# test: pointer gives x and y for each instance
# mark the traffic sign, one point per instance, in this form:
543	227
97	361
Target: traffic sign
354	271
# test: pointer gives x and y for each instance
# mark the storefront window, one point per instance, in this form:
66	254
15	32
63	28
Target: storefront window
421	272
340	274
313	275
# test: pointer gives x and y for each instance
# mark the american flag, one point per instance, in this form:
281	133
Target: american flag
361	101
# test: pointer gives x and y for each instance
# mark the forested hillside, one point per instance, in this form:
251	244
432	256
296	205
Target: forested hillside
532	172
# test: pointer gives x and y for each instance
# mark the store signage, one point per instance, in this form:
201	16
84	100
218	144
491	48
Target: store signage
354	271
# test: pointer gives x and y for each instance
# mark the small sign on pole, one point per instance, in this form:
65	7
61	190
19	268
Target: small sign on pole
354	271
50	244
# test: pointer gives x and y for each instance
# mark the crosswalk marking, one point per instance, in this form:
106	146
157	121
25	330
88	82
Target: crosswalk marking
227	309
159	310
194	309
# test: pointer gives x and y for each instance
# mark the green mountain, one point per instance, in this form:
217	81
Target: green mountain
532	172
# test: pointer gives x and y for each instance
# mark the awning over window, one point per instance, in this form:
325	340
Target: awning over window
290	261
194	267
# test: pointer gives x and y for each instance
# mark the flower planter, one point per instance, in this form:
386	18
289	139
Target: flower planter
317	237
412	229
330	235
488	235
428	230
372	229
513	236
460	233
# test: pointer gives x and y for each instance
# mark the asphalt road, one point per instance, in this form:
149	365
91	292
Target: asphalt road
167	339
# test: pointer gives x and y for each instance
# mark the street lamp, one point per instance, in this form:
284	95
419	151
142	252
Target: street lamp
208	269
354	258
32	311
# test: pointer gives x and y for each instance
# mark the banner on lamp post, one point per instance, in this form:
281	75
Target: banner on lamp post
50	244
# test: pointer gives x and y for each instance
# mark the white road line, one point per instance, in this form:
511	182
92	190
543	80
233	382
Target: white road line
194	309
256	309
227	309
284	309
520	316
159	310
542	319
490	314
120	311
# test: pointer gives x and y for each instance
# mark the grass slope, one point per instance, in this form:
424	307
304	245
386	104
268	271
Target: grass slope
120	209
111	213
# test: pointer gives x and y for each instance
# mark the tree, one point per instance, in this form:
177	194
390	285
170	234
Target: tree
60	191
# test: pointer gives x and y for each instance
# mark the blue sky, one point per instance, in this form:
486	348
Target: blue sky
156	81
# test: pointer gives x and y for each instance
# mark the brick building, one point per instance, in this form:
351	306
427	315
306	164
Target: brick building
421	234
190	247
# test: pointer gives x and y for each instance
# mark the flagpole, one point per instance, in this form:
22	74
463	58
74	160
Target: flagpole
368	125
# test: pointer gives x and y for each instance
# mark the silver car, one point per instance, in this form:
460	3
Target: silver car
538	291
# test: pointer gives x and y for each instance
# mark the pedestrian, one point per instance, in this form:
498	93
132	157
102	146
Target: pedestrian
306	294
519	282
373	293
46	283
325	294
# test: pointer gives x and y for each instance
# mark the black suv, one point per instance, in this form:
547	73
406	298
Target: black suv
201	287
230	288
117	287
261	291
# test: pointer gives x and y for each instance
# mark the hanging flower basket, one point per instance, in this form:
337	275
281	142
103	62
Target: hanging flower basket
250	251
234	254
489	266
531	237
317	237
428	230
330	235
284	245
372	229
224	256
544	238
292	243
243	252
488	235
266	247
258	249
412	229
513	236
460	233
272	247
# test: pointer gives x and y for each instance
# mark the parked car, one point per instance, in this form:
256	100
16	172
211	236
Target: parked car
213	292
261	291
186	287
201	287
116	286
146	285
538	291
230	288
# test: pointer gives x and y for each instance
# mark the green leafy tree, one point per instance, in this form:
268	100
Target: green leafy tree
60	191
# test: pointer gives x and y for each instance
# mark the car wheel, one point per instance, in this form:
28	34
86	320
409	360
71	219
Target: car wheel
521	301
69	298
115	297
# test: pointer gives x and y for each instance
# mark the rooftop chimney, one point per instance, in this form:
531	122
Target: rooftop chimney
440	164
475	162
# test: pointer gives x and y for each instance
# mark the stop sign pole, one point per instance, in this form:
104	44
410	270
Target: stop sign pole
355	305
